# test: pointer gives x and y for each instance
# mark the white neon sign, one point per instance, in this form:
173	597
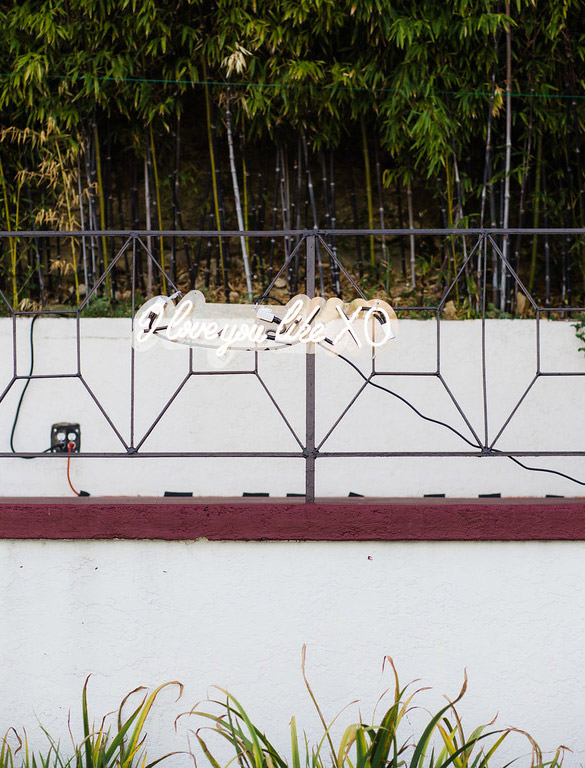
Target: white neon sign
331	324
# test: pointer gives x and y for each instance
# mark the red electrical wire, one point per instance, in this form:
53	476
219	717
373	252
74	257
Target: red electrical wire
70	447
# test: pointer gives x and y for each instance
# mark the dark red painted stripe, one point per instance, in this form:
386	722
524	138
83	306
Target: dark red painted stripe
274	520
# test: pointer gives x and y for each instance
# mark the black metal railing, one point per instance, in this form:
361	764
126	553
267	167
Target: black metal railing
476	256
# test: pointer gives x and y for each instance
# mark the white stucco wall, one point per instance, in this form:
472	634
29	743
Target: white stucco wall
234	413
237	615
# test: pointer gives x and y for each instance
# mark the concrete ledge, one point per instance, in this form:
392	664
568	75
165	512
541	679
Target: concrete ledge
367	519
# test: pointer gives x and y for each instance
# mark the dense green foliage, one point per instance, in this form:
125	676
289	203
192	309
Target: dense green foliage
113	115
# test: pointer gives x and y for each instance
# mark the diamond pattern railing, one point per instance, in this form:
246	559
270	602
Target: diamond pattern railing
483	259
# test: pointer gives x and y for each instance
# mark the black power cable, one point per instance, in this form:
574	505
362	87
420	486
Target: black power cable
18	407
22	394
542	469
369	381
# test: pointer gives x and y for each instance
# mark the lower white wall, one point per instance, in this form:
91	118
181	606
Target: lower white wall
221	413
237	615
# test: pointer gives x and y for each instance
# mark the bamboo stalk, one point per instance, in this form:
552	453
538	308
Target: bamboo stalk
412	244
209	253
334	220
92	219
177	214
332	265
213	164
536	212
262	197
546	243
565	242
507	170
194	270
459	216
580	199
100	191
493	222
222	222
486	177
246	193
368	191
523	183
400	225
174	183
149	281
238	202
299	195
156	201
453	266
488	150
37	243
11	241
445	246
70	221
356	223
135	215
385	259
109	202
314	210
274	213
285	200
121	224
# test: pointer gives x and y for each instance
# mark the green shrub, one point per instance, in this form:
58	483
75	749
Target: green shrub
381	744
105	746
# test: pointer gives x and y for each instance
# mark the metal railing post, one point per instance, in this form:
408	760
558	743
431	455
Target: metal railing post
310	382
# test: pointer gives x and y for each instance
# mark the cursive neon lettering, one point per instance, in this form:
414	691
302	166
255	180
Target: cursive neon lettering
388	332
178	321
293	312
211	331
228	336
196	330
317	333
347	326
148	323
304	321
300	330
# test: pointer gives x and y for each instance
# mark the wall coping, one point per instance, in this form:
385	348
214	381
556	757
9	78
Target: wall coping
290	519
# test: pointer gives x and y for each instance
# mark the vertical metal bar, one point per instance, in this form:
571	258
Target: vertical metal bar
537	314
78	340
132	360
310	382
14	346
438	333
483	288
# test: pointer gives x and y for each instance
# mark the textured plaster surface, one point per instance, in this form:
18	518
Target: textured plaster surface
234	413
236	615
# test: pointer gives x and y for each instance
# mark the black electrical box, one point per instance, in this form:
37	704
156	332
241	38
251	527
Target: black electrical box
65	438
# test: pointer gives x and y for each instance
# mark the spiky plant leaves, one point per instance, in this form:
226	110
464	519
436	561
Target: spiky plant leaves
442	743
122	749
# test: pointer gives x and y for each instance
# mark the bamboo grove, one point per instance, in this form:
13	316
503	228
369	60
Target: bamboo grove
239	114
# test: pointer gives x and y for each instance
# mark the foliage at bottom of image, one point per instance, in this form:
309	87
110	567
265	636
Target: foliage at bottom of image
121	745
384	742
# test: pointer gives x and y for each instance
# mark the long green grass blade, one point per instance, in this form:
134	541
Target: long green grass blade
423	743
294	741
